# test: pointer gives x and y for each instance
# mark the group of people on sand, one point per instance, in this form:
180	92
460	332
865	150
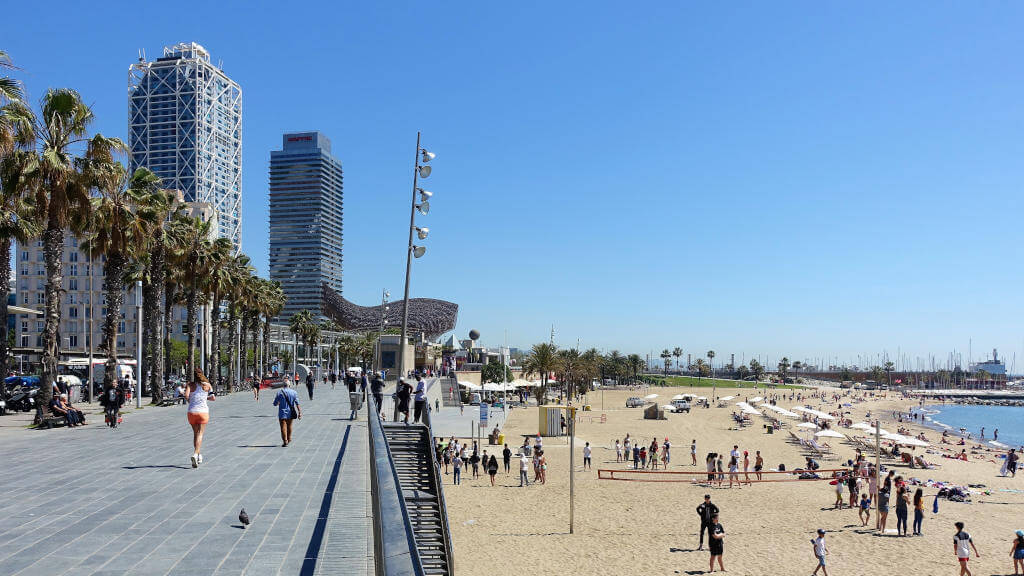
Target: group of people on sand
716	468
642	456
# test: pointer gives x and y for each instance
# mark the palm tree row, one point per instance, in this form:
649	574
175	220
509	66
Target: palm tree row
57	178
576	370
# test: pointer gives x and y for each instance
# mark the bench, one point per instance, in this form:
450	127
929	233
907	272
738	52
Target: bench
49	422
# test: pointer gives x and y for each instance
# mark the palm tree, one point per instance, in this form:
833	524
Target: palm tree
797	366
237	294
299	326
665	355
889	367
63	125
218	283
177	234
542	360
569	367
17	222
165	205
195	252
274	305
678	353
711	362
636	363
591	364
783	367
123	217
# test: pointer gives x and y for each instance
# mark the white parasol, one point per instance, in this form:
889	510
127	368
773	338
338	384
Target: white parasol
807	425
828	434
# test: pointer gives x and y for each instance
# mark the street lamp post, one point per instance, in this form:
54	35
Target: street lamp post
419	171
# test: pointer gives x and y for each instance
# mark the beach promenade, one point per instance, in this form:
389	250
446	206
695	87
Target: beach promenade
92	500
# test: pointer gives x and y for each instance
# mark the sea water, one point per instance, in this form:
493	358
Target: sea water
1008	419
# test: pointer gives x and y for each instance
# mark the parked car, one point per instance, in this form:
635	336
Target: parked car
680	406
634	402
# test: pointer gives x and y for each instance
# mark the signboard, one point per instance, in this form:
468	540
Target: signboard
483	414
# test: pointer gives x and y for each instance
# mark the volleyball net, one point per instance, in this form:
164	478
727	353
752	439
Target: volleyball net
695	477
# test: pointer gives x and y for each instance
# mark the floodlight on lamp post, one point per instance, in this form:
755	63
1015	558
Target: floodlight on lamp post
420	170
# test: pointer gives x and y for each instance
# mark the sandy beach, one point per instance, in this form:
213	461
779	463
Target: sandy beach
651	528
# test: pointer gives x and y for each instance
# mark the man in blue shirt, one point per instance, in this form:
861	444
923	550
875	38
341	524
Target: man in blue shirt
287	402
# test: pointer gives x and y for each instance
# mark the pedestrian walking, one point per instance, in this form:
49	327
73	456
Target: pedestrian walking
524	470
492	468
421	399
334	379
377	389
402	396
586	456
716	543
506	458
457	469
198	415
309	384
705	511
820	551
287	402
962	545
1017	552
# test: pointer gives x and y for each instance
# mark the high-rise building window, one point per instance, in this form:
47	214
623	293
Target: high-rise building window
73	341
24	255
74	255
73	312
72	283
40	298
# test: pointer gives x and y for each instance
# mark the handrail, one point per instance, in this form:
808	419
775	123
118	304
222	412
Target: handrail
442	505
394	542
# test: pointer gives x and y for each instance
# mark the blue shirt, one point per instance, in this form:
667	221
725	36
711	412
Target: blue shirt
284	400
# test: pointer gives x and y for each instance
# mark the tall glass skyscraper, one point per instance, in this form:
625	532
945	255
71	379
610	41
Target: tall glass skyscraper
185	120
305	220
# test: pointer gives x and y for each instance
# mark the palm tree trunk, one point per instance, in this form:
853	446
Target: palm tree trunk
192	302
113	285
266	346
254	328
232	347
53	249
214	365
169	293
5	289
152	336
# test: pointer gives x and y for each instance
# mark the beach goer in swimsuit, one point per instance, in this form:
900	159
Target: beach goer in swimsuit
918	511
693	452
865	509
758	464
198	392
746	466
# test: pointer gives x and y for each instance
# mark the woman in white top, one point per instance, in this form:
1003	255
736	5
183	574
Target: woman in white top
197	393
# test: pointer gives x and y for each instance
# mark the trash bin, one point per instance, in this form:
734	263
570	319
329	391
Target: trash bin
501	438
356	398
771	429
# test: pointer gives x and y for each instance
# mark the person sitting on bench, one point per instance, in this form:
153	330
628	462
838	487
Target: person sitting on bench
59	407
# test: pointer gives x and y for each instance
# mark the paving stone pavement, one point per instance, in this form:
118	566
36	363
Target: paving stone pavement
92	500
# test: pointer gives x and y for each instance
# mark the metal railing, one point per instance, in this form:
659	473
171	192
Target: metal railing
442	505
394	543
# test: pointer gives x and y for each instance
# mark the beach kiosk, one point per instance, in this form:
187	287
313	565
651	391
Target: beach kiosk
551	419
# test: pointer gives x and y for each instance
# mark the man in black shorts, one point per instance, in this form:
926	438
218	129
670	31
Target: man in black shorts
706	511
716	542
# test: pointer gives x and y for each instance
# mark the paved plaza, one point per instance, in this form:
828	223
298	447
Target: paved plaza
93	500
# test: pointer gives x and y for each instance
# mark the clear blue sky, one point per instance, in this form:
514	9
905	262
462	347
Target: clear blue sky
806	179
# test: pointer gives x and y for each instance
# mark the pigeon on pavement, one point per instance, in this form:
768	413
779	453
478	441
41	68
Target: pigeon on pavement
243	518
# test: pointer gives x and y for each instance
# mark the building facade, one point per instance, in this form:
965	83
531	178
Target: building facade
306	213
185	125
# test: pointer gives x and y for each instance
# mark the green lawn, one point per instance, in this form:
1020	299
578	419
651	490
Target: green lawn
712	382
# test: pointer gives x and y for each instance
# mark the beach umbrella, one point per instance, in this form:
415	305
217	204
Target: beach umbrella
807	425
863	426
727	398
758	399
828	434
650	397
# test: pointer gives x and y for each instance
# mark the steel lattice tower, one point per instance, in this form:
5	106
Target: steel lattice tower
185	118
